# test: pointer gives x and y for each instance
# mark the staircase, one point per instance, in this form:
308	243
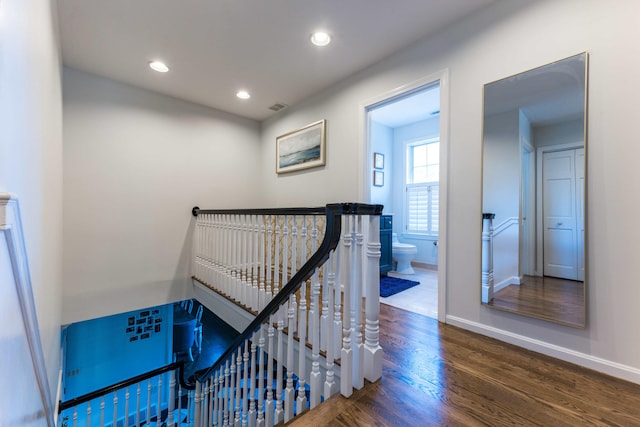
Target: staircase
303	284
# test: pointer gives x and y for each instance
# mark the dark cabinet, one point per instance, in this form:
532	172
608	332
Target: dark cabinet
386	228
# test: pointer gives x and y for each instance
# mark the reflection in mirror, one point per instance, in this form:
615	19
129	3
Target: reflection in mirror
534	135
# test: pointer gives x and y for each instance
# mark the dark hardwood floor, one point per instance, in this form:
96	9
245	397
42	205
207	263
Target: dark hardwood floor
549	298
435	375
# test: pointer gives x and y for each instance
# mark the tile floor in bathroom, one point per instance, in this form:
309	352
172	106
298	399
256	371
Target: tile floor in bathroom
421	299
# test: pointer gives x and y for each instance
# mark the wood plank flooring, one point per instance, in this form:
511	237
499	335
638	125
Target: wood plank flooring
549	298
435	375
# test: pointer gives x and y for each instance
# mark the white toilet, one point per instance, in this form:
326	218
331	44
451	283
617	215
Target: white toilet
402	254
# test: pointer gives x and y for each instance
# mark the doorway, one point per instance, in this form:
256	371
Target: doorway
400	128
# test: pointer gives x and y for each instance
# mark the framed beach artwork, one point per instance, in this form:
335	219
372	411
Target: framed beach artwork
302	148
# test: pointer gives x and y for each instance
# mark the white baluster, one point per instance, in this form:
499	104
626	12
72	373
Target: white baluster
237	264
487	257
285	252
148	414
252	414
238	389
126	405
190	410
330	386
244	297
356	305
261	358
245	374
324	317
337	310
276	261
289	396
226	254
373	353
216	399
232	390
226	391
302	329
115	408
294	269
315	377
204	404
89	414
197	403
346	378
279	414
102	411
269	290
262	266
159	401
179	420
172	399
255	269
138	391
75	416
214	243
269	408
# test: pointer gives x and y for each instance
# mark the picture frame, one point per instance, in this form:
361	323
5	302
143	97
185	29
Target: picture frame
302	148
378	160
378	178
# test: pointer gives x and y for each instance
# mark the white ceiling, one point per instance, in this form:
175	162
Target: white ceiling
216	47
417	106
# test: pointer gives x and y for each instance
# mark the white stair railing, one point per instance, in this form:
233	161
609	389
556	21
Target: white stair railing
318	331
154	398
307	341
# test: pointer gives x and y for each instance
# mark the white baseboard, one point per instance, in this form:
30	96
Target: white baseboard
605	366
513	280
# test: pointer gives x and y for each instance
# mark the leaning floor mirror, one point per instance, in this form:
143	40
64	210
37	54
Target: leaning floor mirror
533	192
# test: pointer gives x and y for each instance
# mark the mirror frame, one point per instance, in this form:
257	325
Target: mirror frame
487	277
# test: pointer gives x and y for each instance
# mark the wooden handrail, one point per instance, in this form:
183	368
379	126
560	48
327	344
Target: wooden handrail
126	383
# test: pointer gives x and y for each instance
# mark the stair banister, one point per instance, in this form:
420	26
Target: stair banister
333	214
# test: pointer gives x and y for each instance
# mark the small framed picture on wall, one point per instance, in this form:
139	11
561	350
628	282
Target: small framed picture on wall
378	160
378	178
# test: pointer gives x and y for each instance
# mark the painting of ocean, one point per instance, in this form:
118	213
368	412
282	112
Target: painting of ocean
307	155
301	149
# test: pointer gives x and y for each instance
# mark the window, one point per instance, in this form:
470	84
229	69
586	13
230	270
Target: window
422	187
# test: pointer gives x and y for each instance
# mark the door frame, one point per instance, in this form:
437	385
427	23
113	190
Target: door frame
364	146
527	264
539	208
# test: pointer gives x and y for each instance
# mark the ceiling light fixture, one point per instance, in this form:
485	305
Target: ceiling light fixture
243	94
158	66
320	38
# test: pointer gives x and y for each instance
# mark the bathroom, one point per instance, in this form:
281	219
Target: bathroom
404	134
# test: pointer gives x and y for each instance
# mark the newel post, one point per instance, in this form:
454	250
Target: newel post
373	353
487	257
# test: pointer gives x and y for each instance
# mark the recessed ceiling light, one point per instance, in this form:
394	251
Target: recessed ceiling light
158	66
320	38
243	94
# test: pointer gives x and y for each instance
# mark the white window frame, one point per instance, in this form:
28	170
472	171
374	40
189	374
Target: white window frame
407	186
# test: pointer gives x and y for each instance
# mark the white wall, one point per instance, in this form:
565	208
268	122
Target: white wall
382	142
501	159
561	133
31	167
500	41
135	163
